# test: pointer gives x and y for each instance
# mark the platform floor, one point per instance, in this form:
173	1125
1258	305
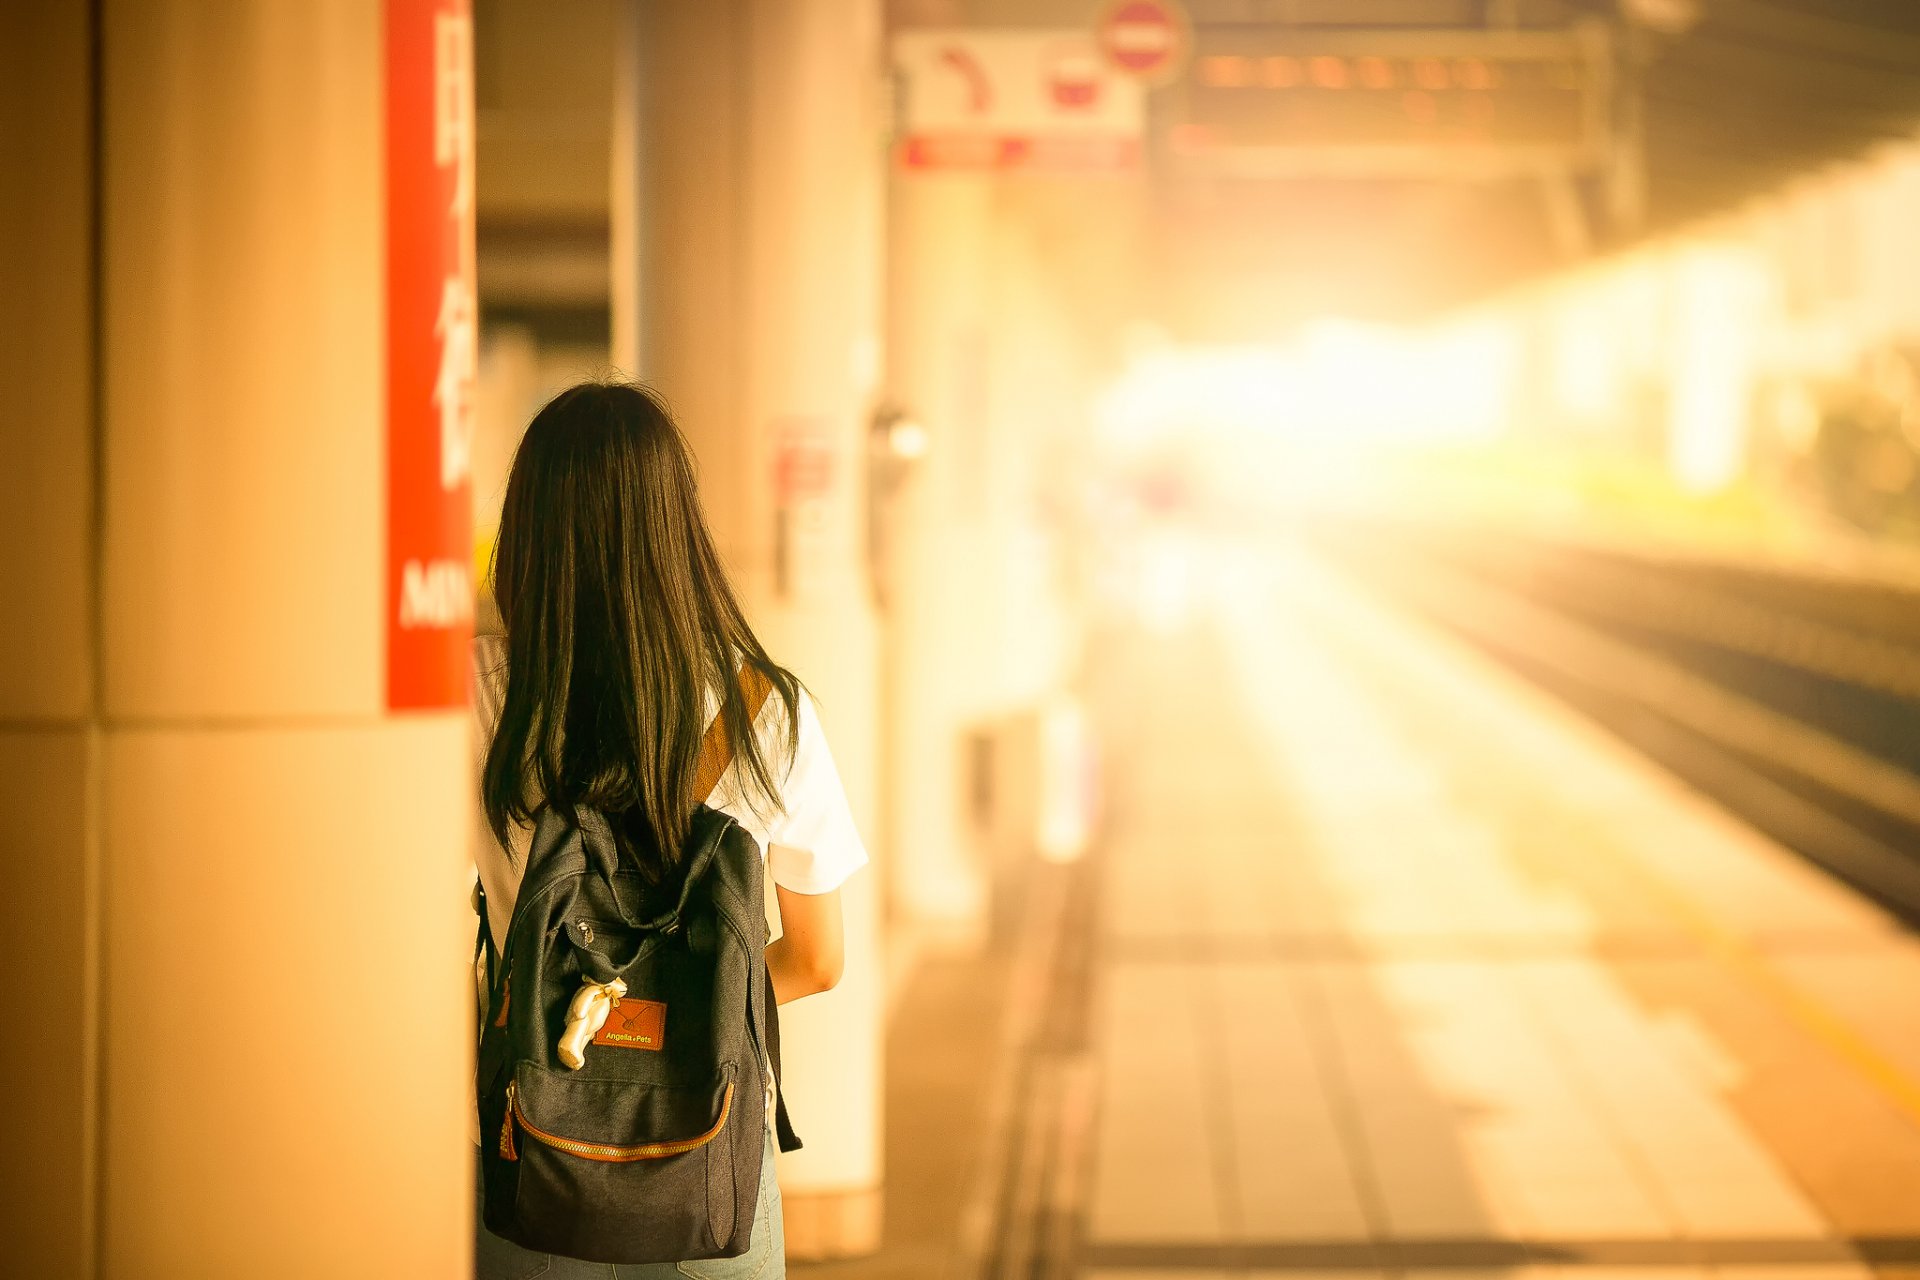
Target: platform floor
1404	968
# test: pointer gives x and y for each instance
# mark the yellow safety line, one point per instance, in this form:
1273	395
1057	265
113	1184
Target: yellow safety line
1812	1014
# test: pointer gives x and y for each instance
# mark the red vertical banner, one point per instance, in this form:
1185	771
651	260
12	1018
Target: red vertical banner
432	347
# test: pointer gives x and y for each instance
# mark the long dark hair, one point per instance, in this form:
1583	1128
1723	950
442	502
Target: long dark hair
618	619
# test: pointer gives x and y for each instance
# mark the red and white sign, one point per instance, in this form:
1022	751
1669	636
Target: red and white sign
1014	99
1146	39
806	471
803	469
432	342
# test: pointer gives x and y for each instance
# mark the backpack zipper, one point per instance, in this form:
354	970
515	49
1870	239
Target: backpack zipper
605	1152
507	1149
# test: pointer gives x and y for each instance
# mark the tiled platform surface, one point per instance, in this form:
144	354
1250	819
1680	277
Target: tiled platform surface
1406	969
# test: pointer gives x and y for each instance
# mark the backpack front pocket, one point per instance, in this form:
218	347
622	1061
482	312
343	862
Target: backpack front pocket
616	1170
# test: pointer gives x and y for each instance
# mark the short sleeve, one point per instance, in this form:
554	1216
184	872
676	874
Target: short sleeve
813	846
499	870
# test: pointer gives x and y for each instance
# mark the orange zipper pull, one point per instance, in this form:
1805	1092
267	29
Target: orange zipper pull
507	1149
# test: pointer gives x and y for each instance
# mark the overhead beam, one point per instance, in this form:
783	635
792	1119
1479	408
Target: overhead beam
1798	29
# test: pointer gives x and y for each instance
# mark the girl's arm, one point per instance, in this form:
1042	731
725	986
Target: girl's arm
808	956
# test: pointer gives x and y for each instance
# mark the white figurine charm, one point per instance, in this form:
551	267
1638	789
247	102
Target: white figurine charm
585	1016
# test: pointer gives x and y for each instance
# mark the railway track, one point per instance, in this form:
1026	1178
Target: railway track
1793	700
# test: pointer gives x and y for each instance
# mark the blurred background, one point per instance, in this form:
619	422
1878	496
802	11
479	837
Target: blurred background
1360	560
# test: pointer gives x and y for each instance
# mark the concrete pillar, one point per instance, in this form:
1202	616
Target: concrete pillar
940	348
759	249
239	875
987	343
1040	407
49	739
1007	297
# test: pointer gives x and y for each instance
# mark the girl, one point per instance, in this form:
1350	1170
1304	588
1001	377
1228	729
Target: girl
621	641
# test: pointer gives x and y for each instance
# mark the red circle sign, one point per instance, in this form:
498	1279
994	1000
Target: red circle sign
1144	38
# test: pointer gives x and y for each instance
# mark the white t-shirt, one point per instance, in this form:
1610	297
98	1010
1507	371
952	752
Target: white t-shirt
811	847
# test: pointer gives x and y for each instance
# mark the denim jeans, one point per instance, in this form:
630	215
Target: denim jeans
765	1258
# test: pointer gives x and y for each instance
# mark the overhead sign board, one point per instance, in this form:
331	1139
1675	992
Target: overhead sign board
1360	103
1013	100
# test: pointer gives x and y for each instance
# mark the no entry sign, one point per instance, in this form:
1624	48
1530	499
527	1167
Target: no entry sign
1146	39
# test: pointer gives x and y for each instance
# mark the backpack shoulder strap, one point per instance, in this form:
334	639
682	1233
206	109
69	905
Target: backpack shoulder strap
717	753
716	748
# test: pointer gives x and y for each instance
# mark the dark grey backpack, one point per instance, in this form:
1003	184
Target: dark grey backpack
649	1149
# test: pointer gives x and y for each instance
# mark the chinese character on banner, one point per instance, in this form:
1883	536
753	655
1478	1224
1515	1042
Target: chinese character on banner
432	348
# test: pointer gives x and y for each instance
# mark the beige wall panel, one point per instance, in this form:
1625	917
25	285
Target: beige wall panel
694	266
939	273
544	77
245	454
544	171
287	1017
43	1002
45	185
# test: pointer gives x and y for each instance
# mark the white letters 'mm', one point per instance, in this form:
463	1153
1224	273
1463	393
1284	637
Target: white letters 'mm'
435	593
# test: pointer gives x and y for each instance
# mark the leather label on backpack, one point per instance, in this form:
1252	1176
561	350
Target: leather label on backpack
634	1024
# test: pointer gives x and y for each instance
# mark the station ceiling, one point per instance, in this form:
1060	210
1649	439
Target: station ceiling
1740	97
1741	94
1760	90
